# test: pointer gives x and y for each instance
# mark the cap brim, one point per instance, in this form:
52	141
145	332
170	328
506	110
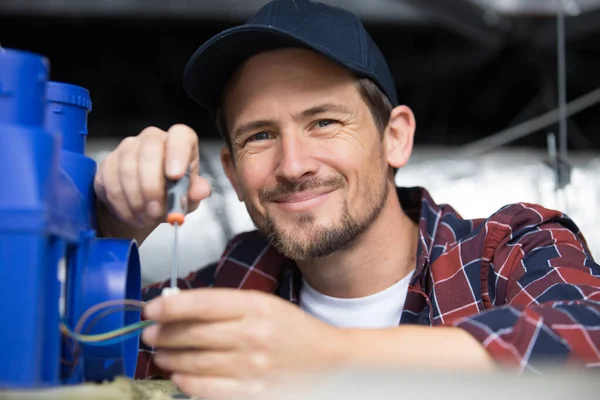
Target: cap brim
210	67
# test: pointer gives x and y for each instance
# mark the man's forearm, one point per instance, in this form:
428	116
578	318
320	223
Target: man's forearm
109	226
414	347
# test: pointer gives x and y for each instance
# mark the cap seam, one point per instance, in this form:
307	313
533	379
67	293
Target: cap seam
272	13
361	39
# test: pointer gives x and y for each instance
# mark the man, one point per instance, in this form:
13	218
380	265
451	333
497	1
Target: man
345	269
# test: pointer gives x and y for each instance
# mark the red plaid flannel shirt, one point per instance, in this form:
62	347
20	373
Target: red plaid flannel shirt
522	282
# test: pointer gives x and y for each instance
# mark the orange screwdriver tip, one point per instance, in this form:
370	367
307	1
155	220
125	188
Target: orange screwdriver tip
175	218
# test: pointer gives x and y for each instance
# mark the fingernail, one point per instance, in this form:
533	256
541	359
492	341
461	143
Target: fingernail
174	167
154	209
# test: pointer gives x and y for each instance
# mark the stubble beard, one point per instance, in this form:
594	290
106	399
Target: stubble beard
309	240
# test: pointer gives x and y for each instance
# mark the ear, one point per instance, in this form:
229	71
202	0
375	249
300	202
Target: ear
229	167
399	136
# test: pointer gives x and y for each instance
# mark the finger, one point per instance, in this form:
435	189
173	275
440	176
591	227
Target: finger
200	189
129	181
208	305
113	195
214	363
209	387
194	335
181	151
208	363
151	159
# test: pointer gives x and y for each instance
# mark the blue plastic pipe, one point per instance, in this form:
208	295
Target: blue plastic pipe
112	272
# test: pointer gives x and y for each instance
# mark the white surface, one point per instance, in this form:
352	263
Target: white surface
430	384
475	188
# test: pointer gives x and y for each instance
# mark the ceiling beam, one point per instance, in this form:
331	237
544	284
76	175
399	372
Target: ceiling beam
391	11
473	22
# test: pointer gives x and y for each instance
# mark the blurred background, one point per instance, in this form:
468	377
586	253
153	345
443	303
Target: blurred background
482	76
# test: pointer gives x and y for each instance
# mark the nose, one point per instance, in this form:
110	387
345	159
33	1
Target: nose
296	157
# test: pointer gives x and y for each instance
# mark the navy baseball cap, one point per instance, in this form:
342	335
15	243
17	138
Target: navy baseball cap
331	31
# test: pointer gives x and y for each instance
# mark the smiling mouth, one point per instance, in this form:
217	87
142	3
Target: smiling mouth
302	201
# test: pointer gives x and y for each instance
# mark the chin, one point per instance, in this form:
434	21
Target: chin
303	224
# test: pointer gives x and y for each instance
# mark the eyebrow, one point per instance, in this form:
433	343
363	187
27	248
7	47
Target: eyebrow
309	112
251	126
323	108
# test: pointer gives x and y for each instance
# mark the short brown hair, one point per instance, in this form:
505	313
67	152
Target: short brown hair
378	103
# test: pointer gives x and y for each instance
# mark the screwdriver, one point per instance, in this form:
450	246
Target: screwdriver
177	208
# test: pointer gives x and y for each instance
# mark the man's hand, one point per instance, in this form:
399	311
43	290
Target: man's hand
221	343
131	182
227	342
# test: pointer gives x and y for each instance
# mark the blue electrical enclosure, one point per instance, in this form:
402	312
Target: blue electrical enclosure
53	267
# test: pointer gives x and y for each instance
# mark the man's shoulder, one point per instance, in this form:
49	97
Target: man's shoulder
515	215
515	220
524	216
443	227
531	229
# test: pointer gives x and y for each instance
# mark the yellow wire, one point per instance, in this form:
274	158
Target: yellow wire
105	304
106	335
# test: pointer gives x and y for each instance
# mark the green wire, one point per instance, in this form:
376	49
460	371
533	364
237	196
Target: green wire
106	335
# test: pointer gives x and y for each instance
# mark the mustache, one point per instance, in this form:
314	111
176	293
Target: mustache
286	187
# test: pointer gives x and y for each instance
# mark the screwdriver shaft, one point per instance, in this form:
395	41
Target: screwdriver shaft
174	257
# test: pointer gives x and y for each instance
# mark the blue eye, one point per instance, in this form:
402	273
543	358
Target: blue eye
324	122
259	136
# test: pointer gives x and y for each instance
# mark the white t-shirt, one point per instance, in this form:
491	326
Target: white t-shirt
379	310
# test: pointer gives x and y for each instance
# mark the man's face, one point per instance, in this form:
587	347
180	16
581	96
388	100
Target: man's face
309	160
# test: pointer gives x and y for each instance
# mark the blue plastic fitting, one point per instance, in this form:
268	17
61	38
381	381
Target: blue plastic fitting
23	77
52	264
29	161
66	114
67	108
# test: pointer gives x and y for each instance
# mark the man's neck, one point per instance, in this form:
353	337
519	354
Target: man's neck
383	255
